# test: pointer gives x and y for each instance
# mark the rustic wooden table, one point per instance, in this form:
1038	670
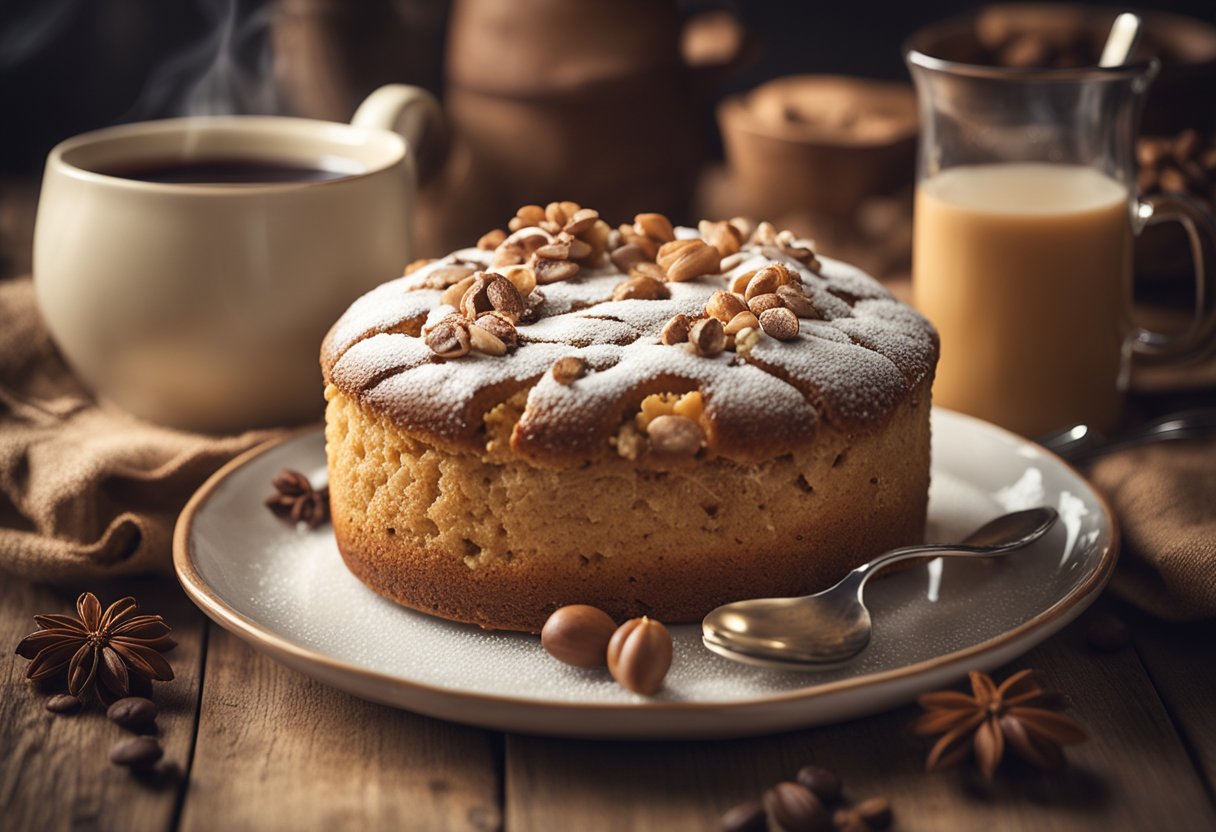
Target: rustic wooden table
258	746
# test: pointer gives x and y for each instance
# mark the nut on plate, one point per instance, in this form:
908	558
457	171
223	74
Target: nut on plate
578	634
639	655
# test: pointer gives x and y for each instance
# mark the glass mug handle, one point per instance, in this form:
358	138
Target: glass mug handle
1200	226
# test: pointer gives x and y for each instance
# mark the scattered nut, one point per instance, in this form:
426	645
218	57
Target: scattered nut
746	340
578	634
744	320
641	287
555	251
796	249
647	269
482	340
449	338
504	297
675	436
779	323
738	284
707	337
721	235
135	713
793	808
676	330
63	703
724	306
580	221
731	261
569	369
521	277
764	235
655	226
500	326
765	281
136	752
794	299
685	259
627	256
553	271
491	239
508	254
639	655
451	296
761	302
476	299
822	782
527	217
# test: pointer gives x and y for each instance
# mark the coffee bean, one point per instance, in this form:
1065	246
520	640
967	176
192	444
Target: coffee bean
793	808
135	713
136	752
1107	633
824	784
876	812
63	703
746	817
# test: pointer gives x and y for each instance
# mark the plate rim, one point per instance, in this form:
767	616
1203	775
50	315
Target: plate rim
219	611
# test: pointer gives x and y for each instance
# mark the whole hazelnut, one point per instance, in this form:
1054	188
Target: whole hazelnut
639	655
578	634
794	808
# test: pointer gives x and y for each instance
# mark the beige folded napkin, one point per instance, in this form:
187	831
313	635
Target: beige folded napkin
1164	497
85	489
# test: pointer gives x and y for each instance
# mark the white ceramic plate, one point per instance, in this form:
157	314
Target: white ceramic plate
287	592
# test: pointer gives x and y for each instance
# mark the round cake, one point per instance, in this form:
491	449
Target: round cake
647	419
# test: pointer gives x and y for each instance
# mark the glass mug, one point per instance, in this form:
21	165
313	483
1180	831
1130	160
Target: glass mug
1022	255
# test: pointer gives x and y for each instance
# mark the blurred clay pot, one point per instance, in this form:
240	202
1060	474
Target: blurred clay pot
592	102
1183	94
819	143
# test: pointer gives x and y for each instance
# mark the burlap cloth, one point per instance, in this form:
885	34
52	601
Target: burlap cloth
86	490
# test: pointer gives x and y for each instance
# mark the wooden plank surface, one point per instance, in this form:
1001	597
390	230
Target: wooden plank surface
55	772
277	750
1133	774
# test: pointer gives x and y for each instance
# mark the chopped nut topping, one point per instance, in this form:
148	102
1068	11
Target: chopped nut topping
724	306
451	296
445	276
744	320
627	256
761	302
629	442
675	436
746	339
780	323
685	259
553	271
448	338
501	327
491	239
721	235
521	277
676	330
527	217
415	265
569	369
795	300
482	340
641	287
707	337
654	226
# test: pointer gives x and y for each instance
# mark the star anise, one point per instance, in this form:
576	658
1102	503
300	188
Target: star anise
1019	714
296	501
112	653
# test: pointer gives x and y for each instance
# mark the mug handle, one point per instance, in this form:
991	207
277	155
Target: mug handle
414	114
1200	226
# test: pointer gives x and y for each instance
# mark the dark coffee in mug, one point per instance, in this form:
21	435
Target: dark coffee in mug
225	172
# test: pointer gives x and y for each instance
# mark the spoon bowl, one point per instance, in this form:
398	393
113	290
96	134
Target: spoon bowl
833	626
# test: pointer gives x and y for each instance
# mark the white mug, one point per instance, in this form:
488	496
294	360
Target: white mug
203	306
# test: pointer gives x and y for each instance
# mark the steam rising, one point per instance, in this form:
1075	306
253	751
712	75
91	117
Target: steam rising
229	71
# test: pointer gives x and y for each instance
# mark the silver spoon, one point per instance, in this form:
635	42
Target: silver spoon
833	626
1081	443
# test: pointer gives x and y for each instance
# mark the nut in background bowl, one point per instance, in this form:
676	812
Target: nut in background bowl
819	143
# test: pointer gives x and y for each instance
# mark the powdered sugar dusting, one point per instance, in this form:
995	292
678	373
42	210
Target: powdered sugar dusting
851	368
